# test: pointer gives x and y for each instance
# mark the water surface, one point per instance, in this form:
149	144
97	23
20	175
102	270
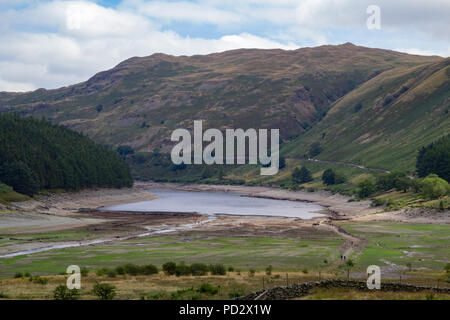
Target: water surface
211	203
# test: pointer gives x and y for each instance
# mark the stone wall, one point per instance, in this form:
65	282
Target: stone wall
302	289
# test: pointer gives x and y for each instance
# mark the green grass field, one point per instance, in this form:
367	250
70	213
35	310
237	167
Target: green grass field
242	253
425	246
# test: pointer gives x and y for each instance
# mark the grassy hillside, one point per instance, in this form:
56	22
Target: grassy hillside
368	106
384	122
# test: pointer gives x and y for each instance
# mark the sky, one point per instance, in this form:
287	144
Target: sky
54	43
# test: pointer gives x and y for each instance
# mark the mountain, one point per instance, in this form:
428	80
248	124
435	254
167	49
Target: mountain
385	121
359	103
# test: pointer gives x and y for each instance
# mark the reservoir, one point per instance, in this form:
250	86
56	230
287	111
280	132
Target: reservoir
212	203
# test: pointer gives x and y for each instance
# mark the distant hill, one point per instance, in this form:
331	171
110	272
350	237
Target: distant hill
369	106
35	155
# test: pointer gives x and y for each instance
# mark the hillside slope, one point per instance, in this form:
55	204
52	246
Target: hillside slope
311	94
384	122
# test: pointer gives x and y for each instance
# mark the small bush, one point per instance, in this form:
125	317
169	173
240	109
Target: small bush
120	270
18	275
102	272
230	269
251	272
39	280
149	269
366	188
111	273
28	275
63	293
169	267
269	270
199	269
376	202
207	288
218	269
131	269
305	271
182	270
104	291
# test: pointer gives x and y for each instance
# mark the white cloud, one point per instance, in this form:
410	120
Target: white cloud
424	52
56	43
103	37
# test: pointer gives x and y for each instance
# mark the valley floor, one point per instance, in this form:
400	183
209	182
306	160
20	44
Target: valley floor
408	245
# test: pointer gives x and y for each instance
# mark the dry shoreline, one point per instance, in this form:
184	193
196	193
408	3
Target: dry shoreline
62	211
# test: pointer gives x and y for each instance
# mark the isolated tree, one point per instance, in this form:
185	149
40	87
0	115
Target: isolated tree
301	175
104	291
434	187
349	264
169	267
269	270
61	292
365	188
328	177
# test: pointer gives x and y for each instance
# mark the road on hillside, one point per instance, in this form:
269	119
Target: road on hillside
346	164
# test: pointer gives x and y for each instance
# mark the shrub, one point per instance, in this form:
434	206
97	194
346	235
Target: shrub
61	292
102	272
305	271
251	272
182	270
169	268
111	273
207	288
149	269
269	270
376	202
396	179
120	270
131	269
230	269
18	275
27	274
199	269
365	188
40	280
84	271
328	177
218	269
104	291
301	175
434	187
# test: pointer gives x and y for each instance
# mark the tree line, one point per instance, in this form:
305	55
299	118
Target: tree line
36	154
